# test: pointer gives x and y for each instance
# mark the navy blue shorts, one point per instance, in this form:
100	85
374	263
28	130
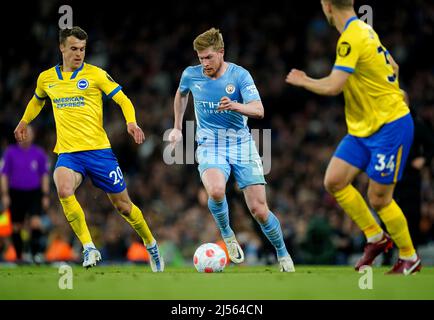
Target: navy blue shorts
382	155
100	165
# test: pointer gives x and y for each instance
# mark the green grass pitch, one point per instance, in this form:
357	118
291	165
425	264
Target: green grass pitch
235	282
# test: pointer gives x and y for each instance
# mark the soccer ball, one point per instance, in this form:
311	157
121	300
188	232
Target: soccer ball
209	257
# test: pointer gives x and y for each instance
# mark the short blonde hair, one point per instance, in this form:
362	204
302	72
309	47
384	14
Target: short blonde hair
342	4
210	38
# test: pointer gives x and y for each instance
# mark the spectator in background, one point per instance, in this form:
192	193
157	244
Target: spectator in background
58	248
25	191
317	247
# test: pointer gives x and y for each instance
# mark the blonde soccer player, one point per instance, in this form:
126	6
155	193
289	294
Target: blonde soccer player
380	134
76	91
225	96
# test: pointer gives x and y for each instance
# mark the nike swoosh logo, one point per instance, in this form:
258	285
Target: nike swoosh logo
409	271
385	174
51	85
239	254
198	86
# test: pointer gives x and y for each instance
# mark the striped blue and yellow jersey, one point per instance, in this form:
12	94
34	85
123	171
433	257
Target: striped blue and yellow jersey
372	94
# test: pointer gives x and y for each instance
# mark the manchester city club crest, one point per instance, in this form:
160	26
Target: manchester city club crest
82	84
230	88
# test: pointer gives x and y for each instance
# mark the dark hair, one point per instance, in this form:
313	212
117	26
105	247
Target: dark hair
77	32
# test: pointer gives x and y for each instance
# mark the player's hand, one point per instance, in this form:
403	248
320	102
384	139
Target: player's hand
227	104
296	77
20	131
6	201
135	131
175	136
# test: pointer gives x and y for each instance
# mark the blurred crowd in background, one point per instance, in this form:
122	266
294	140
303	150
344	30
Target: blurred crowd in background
145	51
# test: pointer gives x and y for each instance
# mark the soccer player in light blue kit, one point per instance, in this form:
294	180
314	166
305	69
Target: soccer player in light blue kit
225	96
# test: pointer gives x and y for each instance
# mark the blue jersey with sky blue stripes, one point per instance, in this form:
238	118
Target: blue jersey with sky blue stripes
236	83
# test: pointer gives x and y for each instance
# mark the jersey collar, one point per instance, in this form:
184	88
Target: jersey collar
59	72
74	74
349	21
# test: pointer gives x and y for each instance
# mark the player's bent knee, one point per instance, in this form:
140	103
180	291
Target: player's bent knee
65	191
379	202
216	192
123	207
259	211
333	184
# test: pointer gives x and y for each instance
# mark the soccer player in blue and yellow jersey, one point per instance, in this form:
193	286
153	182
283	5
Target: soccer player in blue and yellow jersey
225	96
380	134
76	91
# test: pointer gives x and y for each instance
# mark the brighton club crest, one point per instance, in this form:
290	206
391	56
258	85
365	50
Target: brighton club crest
82	84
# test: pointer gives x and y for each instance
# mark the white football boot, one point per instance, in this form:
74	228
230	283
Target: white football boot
91	257
155	259
286	264
236	254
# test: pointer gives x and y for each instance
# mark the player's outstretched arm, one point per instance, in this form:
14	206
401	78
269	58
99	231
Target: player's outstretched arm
331	85
130	116
33	108
253	109
179	106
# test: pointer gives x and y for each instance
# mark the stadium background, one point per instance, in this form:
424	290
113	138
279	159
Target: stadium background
146	49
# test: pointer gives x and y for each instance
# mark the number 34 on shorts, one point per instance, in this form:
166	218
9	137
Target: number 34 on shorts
383	155
382	167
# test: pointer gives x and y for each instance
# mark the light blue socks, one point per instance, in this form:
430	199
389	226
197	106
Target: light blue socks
220	212
273	231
